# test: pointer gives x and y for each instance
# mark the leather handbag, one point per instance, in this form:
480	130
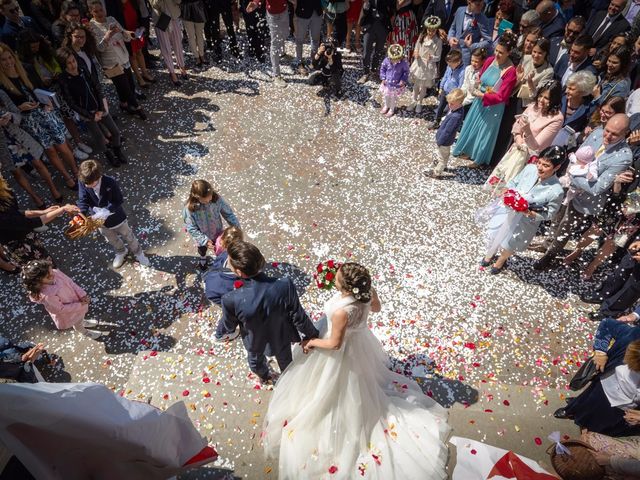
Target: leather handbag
113	71
191	11
163	22
584	375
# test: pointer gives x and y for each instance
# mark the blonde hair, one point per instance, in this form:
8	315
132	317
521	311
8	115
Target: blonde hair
6	82
455	96
230	235
632	356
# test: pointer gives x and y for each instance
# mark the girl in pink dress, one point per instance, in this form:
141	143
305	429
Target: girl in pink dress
65	301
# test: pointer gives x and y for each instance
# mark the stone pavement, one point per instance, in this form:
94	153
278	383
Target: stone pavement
312	179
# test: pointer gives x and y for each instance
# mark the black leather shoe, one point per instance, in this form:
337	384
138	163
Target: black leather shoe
543	264
561	413
597	316
591	298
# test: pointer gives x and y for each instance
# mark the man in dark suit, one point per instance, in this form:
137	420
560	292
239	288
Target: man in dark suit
552	23
445	10
605	24
266	309
470	29
559	46
577	59
375	20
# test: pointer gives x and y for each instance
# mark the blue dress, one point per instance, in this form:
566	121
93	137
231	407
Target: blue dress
480	128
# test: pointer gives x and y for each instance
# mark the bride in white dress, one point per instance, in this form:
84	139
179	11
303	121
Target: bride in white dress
338	412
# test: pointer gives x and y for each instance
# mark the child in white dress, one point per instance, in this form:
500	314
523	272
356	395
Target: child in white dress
426	56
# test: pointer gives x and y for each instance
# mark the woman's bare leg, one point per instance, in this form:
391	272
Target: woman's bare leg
46	176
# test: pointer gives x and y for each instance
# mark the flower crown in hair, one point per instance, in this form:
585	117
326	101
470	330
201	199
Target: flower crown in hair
395	52
432	22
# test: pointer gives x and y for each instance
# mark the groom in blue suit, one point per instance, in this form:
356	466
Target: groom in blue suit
267	310
470	29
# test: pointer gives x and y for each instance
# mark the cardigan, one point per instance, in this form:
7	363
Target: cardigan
541	74
114	52
542	128
509	79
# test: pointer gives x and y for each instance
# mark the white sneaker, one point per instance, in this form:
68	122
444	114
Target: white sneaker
118	261
142	259
279	82
79	154
95	334
419	108
90	322
85	148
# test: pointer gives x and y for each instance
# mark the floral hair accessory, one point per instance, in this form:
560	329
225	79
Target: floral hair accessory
325	275
395	52
432	22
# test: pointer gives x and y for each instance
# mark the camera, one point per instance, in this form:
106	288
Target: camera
328	49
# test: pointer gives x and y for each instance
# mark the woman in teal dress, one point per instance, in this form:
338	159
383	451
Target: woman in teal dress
480	128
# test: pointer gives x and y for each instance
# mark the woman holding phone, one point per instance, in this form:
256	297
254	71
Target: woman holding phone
114	57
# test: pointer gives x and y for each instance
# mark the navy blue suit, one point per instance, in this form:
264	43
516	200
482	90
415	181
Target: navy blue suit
555	28
563	63
110	198
480	31
268	312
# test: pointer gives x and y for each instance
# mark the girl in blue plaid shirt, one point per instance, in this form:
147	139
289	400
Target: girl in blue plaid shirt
203	216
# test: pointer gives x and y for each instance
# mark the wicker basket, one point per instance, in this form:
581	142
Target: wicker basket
86	226
580	465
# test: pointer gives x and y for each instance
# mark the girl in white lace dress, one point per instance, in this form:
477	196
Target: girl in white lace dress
338	412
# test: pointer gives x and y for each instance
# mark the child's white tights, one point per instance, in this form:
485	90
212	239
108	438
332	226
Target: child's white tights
390	102
419	92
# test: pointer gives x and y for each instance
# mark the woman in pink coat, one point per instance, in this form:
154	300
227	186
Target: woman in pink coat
65	301
532	132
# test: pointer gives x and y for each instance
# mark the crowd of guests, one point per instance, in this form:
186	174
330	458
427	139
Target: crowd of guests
542	95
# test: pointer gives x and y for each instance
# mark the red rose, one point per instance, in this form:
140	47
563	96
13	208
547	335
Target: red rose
333	469
330	276
331	264
514	200
320	268
474	23
237	284
320	285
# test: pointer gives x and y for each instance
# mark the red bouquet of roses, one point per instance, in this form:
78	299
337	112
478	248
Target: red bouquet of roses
514	200
325	275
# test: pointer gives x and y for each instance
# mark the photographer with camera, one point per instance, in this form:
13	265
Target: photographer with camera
327	63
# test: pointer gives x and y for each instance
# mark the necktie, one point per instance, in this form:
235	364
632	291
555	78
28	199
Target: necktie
600	151
447	7
601	29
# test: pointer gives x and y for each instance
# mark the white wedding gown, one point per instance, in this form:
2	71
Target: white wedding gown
342	414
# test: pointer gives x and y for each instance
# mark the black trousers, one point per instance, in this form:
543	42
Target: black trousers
257	30
621	289
258	361
572	222
216	8
125	88
340	28
333	83
375	39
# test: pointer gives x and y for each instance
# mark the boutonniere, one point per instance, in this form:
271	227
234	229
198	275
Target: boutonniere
474	23
238	284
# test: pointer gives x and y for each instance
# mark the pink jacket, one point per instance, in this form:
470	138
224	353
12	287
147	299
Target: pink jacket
62	300
543	128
